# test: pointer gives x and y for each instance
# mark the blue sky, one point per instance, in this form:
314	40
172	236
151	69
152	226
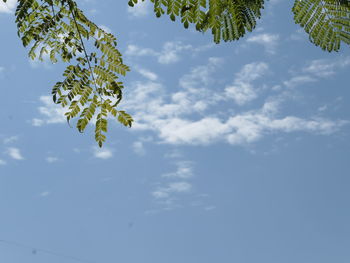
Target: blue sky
239	151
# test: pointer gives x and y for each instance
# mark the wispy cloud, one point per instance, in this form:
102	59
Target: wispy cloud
193	114
51	112
242	89
2	71
326	67
141	9
45	194
209	208
268	41
173	116
139	148
201	75
316	69
51	159
8	7
11	139
299	80
175	187
102	153
147	73
137	51
184	170
169	53
15	153
174	154
148	99
2	162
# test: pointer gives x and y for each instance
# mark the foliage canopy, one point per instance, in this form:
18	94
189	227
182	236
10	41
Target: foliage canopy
91	89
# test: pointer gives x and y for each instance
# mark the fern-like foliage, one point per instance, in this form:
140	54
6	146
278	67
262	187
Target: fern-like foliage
90	88
228	20
326	21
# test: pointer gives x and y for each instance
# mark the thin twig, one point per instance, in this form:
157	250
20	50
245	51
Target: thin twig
53	10
84	49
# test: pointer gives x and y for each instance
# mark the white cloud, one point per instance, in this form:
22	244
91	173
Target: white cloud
250	127
172	116
45	194
147	74
200	132
316	69
242	91
139	148
193	114
149	107
14	153
37	122
242	128
175	187
136	51
167	193
169	53
8	7
323	108
201	75
147	100
2	162
141	9
2	70
10	139
184	170
173	154
52	113
299	80
209	208
269	41
326	67
160	193
103	153
180	187
77	150
51	159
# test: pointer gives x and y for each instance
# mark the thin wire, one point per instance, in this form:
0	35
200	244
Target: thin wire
49	252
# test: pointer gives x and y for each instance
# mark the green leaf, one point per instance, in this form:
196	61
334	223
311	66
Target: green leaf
227	20
326	21
91	82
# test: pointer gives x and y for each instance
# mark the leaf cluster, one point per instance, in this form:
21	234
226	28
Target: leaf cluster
228	20
326	21
91	89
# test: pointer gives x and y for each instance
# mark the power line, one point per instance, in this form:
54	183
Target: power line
36	250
